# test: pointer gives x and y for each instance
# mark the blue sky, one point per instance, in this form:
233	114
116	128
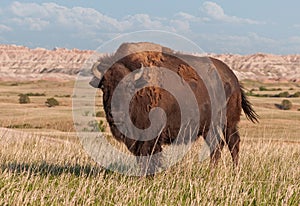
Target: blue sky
218	26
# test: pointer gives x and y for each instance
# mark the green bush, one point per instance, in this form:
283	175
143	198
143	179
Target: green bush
52	102
262	88
14	84
100	114
281	94
20	126
36	94
102	126
297	94
286	104
23	126
96	126
64	95
284	94
24	99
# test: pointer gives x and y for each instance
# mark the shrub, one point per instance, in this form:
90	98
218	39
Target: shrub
64	95
102	126
100	114
36	94
286	104
14	84
24	99
262	88
283	94
52	102
96	126
20	126
297	94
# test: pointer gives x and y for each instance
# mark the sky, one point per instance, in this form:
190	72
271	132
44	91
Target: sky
219	26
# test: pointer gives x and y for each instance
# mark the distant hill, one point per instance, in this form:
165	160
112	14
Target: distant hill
18	63
264	67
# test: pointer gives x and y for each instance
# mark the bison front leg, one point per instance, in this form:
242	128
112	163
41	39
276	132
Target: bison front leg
214	140
215	154
149	157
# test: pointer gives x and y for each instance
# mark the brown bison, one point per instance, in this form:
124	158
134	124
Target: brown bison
130	57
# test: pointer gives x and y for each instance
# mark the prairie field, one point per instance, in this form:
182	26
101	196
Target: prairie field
43	163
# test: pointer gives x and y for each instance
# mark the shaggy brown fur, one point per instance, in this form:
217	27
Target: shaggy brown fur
131	56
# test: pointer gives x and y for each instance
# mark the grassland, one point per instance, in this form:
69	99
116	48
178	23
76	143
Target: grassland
43	163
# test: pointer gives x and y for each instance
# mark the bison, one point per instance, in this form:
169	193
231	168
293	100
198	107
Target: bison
109	71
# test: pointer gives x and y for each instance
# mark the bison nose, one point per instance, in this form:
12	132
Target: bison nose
95	82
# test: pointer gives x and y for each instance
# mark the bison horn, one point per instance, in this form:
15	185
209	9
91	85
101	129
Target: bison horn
95	70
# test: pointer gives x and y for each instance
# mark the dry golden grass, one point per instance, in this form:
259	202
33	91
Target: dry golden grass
48	166
37	114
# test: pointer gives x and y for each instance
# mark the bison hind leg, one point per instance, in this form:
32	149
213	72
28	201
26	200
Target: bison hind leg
233	141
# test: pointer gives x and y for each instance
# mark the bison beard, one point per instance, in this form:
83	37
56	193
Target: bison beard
109	71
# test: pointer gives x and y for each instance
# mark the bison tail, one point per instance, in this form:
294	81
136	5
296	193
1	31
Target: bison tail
248	109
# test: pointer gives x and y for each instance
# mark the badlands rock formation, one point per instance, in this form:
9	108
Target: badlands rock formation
264	67
18	63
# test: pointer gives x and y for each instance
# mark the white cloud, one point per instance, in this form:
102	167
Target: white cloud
4	28
34	24
261	39
85	18
39	16
186	16
143	21
90	21
216	12
180	25
28	9
189	17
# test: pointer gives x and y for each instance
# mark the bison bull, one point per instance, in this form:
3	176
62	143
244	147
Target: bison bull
110	70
